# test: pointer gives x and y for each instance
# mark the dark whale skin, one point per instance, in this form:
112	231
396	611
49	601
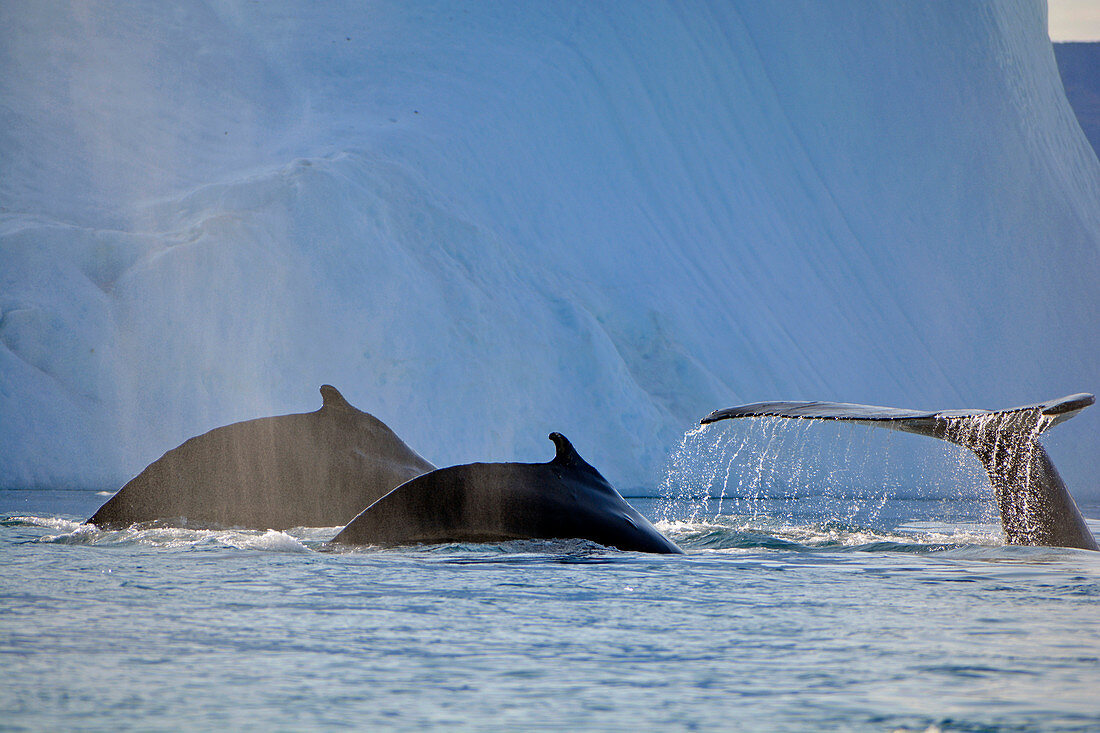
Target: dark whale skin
314	469
493	502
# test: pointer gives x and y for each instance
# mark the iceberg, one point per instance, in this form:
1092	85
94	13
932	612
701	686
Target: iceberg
488	222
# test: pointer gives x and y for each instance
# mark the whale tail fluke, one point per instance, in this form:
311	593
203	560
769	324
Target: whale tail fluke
1035	506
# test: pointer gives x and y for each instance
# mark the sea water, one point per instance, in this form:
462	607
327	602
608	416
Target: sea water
884	617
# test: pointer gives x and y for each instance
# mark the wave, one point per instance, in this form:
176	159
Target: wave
721	534
64	531
768	533
72	532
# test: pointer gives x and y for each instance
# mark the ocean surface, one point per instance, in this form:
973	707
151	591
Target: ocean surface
888	612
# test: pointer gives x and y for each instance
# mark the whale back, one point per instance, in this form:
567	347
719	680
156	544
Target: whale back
309	469
492	502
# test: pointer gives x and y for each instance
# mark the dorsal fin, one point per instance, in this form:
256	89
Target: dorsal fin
566	454
331	398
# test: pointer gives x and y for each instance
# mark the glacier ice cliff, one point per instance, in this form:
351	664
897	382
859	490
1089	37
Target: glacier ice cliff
487	221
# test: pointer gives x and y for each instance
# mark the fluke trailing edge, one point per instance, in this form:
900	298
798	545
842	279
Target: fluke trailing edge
314	469
491	502
1035	506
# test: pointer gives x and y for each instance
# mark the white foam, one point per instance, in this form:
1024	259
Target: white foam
56	523
270	541
825	533
75	533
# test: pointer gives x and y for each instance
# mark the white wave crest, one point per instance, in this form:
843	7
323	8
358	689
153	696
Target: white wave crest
754	530
270	541
75	533
55	523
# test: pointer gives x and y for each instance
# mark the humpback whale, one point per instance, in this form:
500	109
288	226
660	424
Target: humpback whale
1035	506
492	502
314	469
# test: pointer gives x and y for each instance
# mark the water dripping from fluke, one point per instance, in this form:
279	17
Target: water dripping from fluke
1033	504
767	469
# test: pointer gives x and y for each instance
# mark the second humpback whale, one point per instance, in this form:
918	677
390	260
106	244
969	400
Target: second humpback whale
492	502
1035	506
314	469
